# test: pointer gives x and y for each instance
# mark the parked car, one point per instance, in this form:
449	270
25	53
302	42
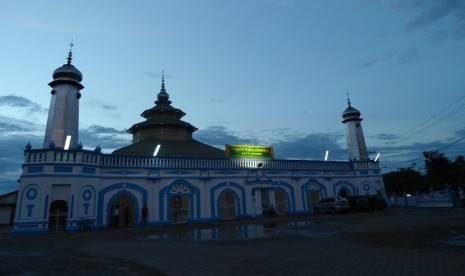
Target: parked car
359	203
377	202
332	205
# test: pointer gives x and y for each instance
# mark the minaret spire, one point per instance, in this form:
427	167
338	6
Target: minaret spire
163	80
163	97
348	99
70	54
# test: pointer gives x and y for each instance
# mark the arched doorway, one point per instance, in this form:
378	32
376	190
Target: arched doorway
58	216
126	211
281	202
228	209
313	196
344	192
179	204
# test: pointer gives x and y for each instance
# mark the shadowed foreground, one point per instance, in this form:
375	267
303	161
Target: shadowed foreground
392	242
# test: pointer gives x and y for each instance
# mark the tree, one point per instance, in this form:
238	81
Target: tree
405	180
439	170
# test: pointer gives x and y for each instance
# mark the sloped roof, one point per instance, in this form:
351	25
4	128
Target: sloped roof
171	148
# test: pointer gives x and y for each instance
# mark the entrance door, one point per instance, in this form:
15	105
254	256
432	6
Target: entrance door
313	196
58	216
179	209
281	202
228	205
126	211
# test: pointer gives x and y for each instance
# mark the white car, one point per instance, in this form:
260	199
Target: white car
332	205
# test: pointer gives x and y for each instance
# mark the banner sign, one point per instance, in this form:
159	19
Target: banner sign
246	151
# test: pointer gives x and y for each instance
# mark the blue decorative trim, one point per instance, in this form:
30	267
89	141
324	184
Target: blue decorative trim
343	184
46	207
31	193
71	207
88	170
164	194
179	172
63	169
228	184
305	188
126	188
291	200
124	172
35	170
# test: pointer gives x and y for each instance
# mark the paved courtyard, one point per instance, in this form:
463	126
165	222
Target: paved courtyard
393	242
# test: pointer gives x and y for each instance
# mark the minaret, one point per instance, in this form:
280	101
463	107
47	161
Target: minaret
63	115
354	134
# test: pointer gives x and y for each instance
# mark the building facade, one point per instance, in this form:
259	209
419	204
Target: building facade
168	173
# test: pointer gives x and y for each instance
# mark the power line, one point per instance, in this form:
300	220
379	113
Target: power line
434	116
29	131
438	150
430	122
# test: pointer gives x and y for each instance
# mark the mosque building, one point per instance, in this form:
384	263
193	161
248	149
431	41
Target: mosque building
165	176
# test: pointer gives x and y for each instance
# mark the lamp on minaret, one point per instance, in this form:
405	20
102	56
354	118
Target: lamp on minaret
63	115
354	134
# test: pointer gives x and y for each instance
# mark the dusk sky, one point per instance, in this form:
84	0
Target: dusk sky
262	72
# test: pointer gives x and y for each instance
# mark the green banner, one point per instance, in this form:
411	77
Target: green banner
247	151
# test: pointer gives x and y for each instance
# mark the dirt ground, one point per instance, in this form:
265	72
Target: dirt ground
391	242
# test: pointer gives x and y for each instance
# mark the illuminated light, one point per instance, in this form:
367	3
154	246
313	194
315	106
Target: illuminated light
377	157
326	155
249	151
156	150
67	142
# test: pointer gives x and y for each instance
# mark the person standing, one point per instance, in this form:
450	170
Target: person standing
462	197
393	201
145	213
126	216
116	216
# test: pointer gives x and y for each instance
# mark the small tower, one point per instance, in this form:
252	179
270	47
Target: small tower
354	134
63	115
163	121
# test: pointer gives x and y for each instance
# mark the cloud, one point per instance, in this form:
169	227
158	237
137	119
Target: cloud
219	136
460	132
289	146
101	105
386	136
369	62
311	147
400	58
408	56
108	107
401	156
8	125
107	138
18	101
383	33
430	12
11	158
444	18
104	130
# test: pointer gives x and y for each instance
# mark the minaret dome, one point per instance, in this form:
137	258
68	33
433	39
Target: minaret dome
354	133
63	115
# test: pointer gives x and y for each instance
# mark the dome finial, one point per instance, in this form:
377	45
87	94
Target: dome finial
348	99
163	80
70	54
162	96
